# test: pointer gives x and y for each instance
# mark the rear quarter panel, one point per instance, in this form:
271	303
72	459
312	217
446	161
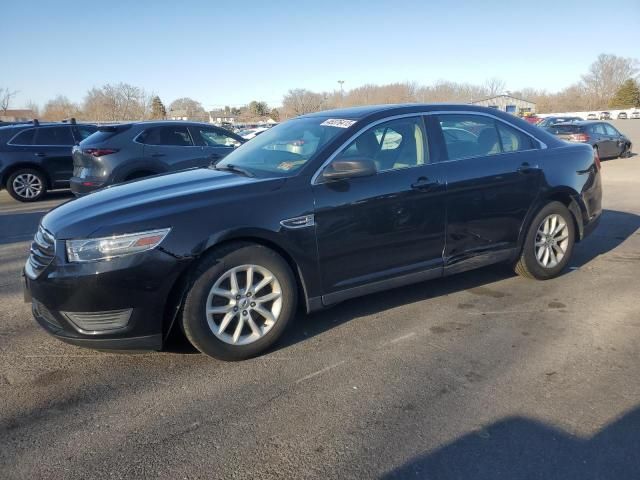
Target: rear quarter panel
570	169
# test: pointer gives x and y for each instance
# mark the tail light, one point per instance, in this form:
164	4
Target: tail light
596	159
99	152
579	137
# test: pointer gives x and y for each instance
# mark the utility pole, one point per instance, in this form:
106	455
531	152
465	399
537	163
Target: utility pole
341	82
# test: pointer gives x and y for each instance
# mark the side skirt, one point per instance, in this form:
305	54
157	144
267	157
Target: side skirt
380	285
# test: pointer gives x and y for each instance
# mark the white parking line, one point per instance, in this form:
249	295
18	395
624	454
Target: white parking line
319	372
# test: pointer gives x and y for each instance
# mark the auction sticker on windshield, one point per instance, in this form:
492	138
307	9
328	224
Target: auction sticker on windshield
338	122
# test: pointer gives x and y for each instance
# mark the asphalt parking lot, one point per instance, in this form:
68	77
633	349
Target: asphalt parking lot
483	375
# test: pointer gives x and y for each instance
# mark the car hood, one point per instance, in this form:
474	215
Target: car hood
145	204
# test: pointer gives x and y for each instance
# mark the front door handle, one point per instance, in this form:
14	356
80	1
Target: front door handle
215	156
424	184
156	155
40	154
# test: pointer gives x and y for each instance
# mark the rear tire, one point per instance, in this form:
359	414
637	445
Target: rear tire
27	185
241	300
549	243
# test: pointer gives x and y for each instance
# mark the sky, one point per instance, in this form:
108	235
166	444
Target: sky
231	52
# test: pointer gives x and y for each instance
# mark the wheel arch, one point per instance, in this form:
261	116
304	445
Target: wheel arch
20	165
565	195
175	299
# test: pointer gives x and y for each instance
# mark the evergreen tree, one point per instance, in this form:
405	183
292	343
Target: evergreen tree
628	95
158	111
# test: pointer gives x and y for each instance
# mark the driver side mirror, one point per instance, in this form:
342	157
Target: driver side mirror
349	168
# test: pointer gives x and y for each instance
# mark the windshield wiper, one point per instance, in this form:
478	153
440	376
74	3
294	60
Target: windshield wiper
230	167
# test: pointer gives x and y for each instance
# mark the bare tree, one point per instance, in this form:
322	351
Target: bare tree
33	106
494	86
60	108
116	102
301	101
6	96
606	75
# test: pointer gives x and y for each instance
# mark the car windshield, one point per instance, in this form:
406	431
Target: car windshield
284	149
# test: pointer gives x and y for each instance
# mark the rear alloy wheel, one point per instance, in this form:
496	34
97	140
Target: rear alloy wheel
549	243
27	185
240	303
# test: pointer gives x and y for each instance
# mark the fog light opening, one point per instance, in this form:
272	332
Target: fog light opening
99	322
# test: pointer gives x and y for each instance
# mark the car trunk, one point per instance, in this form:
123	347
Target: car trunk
567	132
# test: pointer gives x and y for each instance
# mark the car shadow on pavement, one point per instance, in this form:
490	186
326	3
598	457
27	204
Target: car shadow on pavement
615	227
519	448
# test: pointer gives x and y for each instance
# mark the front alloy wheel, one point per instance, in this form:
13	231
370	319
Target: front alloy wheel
244	304
240	301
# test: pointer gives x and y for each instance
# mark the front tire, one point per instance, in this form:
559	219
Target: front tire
27	185
242	298
549	243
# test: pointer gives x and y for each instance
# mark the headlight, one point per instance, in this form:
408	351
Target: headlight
94	249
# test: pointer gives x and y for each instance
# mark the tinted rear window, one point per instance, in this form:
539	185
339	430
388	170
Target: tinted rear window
567	129
105	133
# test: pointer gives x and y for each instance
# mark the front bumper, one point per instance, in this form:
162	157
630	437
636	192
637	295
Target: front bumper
83	186
141	282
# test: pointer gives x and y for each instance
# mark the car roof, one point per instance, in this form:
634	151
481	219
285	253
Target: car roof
581	122
358	113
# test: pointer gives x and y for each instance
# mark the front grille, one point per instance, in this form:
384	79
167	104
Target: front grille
43	249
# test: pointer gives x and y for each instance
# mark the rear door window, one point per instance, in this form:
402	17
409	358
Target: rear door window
54	136
599	129
171	135
468	136
24	138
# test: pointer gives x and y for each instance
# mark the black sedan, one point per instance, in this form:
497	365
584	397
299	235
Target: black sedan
605	139
322	208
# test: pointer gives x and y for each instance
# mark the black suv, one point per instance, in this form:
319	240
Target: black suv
36	157
119	153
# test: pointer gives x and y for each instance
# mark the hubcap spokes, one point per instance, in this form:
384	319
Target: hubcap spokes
244	304
552	240
27	185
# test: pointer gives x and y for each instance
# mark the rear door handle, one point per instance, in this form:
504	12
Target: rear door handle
423	184
40	154
215	156
156	155
525	168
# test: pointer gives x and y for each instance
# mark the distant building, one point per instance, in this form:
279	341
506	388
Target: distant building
507	103
220	117
16	115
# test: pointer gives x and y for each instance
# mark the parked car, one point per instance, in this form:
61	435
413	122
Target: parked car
548	121
605	116
635	114
622	116
250	133
36	156
592	116
123	152
226	253
605	139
